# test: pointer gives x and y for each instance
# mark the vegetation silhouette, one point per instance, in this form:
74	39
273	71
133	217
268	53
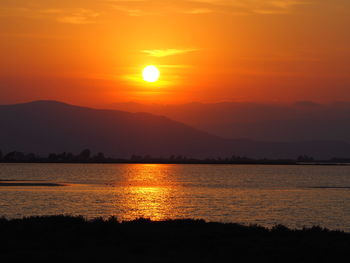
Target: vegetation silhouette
65	238
86	156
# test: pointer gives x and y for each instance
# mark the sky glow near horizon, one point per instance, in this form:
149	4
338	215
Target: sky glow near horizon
92	52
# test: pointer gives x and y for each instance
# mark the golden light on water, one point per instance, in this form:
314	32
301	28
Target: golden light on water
150	202
149	190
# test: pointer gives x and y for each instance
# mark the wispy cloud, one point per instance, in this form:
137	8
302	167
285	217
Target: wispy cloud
79	17
87	12
175	66
198	7
198	11
167	52
278	7
61	15
255	6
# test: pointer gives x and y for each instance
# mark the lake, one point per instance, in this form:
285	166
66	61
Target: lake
295	196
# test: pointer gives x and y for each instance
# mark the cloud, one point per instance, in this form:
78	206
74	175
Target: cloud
63	15
278	7
198	11
71	12
255	6
51	11
133	11
175	66
167	52
79	17
199	7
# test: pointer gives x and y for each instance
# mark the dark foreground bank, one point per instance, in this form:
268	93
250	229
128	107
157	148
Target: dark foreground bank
74	239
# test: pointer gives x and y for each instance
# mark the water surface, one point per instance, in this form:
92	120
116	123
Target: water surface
296	196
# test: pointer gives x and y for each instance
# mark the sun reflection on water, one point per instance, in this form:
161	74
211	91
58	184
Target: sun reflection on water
147	191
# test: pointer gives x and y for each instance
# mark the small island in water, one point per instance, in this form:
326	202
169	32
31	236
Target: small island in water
4	183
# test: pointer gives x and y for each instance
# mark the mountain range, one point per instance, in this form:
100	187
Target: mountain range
299	121
50	126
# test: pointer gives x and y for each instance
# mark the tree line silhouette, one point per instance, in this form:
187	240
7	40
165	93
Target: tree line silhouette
86	156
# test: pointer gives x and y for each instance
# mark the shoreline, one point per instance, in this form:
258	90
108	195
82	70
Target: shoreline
189	163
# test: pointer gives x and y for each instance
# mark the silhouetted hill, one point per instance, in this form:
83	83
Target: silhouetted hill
48	126
300	121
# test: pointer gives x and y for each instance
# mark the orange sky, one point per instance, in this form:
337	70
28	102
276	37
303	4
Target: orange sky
91	52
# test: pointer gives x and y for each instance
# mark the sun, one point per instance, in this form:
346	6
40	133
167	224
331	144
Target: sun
150	73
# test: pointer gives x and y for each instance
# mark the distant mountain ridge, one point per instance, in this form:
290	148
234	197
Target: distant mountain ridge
300	121
50	126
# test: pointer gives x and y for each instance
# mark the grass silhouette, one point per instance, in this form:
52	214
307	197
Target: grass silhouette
66	238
